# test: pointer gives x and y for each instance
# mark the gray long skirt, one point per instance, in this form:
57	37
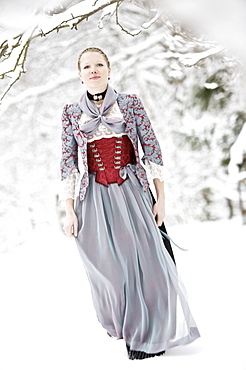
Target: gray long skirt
136	291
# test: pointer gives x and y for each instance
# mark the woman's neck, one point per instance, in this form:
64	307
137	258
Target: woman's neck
96	97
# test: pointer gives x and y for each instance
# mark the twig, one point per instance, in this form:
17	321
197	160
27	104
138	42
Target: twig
133	33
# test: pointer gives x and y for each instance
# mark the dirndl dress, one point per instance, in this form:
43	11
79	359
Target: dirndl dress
136	291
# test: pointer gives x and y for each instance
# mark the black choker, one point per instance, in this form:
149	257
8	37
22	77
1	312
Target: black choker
98	96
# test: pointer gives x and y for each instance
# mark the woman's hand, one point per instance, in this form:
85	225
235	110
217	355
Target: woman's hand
159	207
71	222
71	225
159	212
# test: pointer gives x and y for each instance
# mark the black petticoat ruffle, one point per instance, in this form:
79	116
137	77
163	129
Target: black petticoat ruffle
138	355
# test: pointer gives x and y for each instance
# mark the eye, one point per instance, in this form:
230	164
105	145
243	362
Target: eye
85	67
100	65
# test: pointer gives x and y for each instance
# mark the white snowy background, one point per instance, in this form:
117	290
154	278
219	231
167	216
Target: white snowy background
192	83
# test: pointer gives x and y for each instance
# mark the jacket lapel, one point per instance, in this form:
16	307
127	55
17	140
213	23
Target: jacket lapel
129	118
80	136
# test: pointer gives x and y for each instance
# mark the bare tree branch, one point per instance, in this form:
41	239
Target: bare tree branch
17	63
132	33
73	16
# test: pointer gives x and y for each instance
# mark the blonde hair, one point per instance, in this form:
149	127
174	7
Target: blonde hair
96	50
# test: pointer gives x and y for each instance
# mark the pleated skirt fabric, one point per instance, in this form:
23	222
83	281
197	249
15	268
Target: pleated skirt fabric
136	290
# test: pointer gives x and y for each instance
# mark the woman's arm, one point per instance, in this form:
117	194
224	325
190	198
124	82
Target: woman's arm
152	153
69	169
69	159
159	206
71	222
146	134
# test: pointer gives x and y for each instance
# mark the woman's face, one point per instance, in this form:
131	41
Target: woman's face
94	72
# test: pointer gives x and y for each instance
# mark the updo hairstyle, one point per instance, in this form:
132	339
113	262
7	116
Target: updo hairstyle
93	49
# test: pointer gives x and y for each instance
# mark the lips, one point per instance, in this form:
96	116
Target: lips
95	78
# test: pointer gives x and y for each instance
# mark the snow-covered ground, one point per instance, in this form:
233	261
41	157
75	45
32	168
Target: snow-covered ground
47	320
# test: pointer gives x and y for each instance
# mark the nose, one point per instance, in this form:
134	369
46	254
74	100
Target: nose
93	70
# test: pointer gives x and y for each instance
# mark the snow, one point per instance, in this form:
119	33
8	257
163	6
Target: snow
221	21
107	12
157	15
9	64
190	59
38	90
48	322
211	85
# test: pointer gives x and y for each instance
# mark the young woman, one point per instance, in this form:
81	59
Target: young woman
135	287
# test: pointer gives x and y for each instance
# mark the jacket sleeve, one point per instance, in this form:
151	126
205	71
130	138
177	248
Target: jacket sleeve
148	140
69	159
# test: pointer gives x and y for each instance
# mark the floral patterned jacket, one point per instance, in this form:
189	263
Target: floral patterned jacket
137	126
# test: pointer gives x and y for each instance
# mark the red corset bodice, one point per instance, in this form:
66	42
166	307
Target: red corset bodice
107	156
